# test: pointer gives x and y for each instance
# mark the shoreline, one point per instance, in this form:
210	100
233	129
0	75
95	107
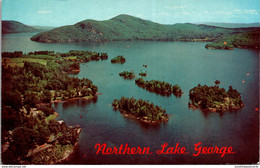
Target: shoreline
219	110
67	154
76	98
125	113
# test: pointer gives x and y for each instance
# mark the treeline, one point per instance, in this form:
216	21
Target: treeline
127	74
85	55
161	87
41	53
141	109
215	98
14	54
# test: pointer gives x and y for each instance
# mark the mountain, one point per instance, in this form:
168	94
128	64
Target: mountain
16	27
125	27
249	39
43	28
232	25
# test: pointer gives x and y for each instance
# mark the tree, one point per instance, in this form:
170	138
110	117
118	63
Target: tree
24	139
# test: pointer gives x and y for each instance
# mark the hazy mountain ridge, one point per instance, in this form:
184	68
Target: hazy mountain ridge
9	26
125	27
231	25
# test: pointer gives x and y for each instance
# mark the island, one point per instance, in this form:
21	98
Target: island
30	83
160	87
215	99
118	59
127	74
143	73
141	110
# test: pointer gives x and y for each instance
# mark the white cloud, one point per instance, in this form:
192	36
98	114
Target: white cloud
175	7
43	11
161	13
250	11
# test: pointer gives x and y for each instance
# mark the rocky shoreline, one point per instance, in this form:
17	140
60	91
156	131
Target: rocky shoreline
76	98
143	119
220	109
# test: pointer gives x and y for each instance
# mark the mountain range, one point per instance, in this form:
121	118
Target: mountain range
125	27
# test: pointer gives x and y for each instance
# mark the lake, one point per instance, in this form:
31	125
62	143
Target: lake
184	63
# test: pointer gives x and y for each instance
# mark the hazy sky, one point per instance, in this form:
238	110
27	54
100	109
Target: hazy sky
65	12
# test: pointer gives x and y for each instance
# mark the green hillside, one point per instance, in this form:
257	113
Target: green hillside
249	39
125	27
16	27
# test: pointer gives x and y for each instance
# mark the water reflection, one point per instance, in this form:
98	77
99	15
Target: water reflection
79	102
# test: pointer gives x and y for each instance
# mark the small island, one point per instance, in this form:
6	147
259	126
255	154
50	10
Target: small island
143	73
215	99
127	74
141	110
118	59
163	88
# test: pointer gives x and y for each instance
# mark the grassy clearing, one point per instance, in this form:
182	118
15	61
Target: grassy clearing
51	117
20	61
71	57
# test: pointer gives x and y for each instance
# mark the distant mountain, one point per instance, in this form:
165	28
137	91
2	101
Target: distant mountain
43	28
16	27
125	27
249	39
232	25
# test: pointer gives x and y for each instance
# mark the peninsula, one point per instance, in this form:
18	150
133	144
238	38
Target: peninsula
30	82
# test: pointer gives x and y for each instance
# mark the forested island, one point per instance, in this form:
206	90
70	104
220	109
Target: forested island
118	59
160	87
30	82
141	110
127	74
143	73
215	99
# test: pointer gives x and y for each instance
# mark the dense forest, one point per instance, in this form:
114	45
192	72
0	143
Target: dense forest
29	83
160	87
125	27
215	98
249	39
127	74
140	109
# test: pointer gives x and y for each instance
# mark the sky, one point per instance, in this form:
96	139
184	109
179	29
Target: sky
67	12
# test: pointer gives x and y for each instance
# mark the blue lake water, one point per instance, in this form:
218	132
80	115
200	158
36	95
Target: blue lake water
184	63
